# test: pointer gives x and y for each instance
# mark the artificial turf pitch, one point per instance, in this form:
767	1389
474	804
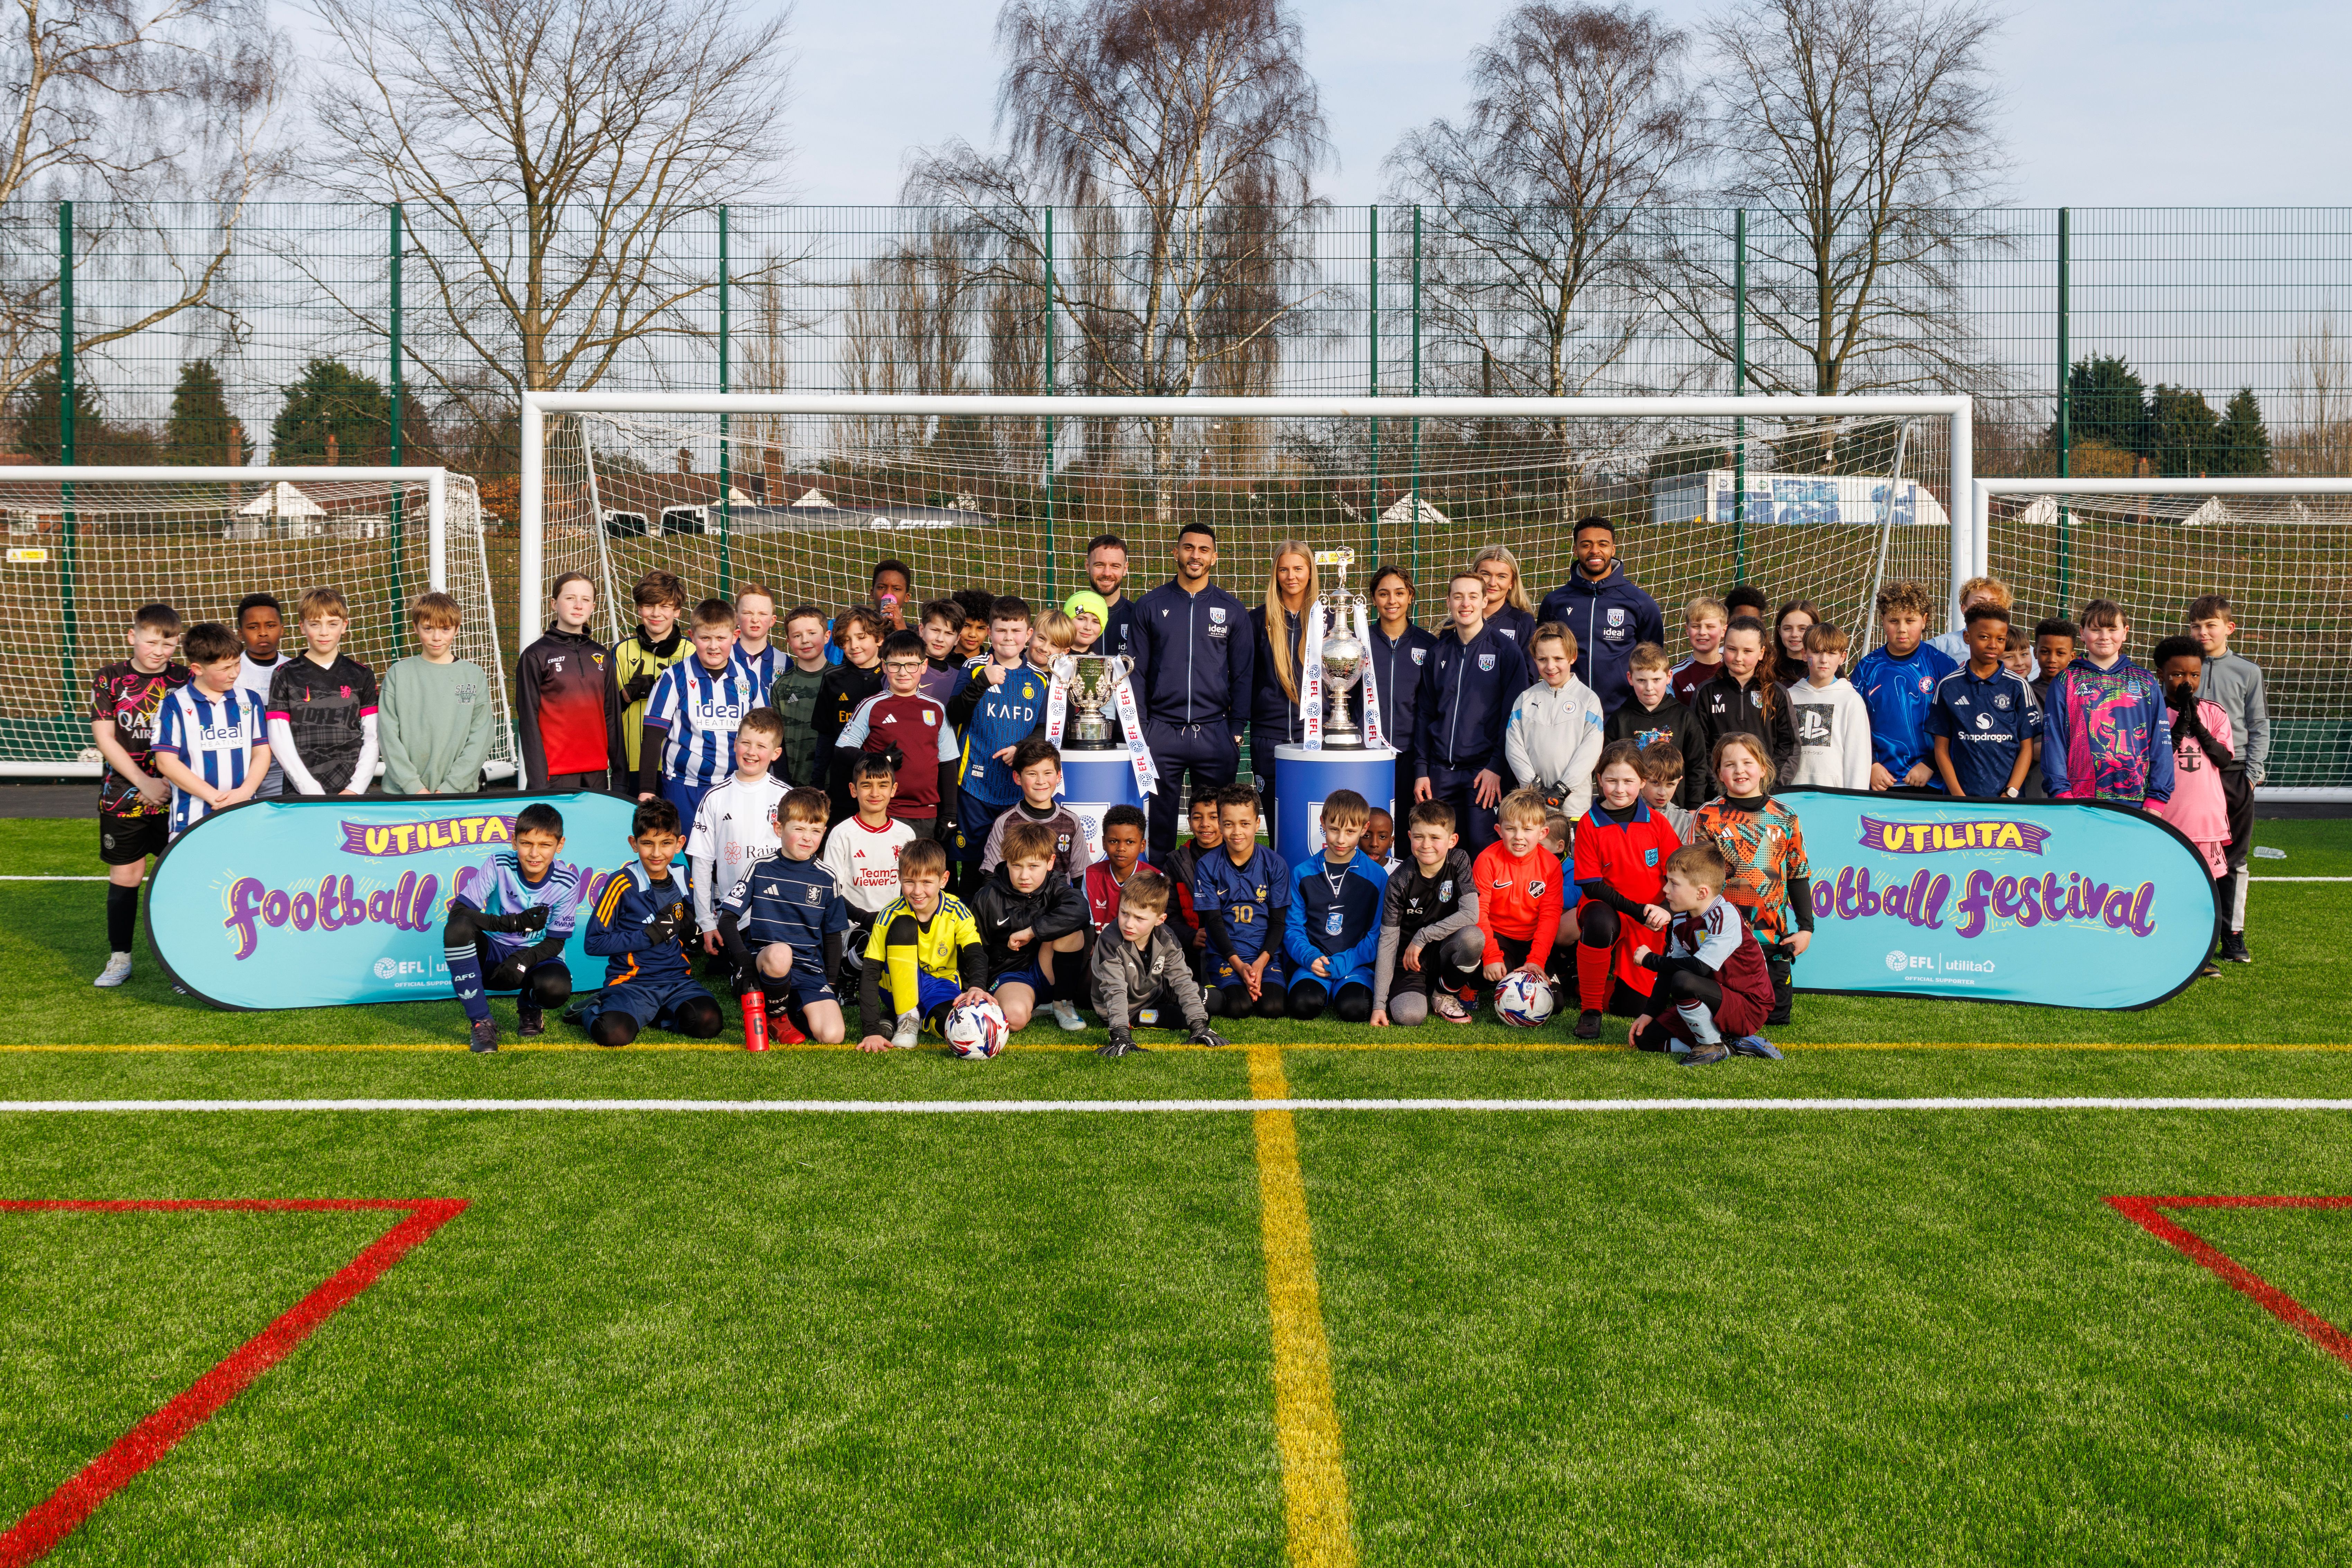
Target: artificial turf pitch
1727	1335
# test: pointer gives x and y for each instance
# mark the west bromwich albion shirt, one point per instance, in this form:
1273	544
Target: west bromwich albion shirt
214	737
699	710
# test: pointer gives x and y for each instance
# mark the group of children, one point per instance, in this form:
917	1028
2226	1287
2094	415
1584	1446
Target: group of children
872	805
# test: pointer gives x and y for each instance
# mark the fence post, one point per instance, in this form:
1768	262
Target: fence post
1416	392
1374	298
726	474
395	448
70	620
2065	432
1049	392
1739	389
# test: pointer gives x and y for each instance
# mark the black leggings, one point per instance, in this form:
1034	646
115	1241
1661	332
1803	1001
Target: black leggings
1680	979
699	1019
1353	1006
547	984
1232	1002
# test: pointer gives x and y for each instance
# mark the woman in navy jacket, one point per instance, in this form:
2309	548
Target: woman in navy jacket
1399	650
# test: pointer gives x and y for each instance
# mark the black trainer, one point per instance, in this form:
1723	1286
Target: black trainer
530	1020
486	1036
1588	1023
2233	947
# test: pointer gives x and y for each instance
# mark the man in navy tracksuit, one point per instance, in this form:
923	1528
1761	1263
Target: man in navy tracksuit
1193	671
1473	676
1609	615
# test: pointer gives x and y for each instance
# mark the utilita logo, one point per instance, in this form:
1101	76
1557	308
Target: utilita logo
418	838
1943	837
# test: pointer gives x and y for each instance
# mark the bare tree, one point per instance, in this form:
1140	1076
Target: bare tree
1191	132
2317	438
1860	134
166	99
1580	122
559	168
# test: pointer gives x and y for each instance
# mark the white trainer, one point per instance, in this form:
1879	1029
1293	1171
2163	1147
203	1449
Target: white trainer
1066	1014
909	1030
117	971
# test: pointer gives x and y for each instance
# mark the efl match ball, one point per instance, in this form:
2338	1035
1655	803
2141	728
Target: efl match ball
977	1030
1522	1001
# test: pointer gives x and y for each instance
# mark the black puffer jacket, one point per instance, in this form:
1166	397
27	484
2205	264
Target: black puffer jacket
1053	911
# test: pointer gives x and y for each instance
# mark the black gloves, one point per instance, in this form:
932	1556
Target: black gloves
528	920
639	688
896	758
661	933
1206	1036
1122	1041
506	976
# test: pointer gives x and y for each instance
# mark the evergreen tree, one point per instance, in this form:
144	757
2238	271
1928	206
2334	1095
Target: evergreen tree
2107	402
197	433
2184	436
332	399
2245	444
35	418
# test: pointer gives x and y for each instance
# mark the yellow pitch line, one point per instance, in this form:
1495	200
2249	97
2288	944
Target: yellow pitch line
1316	1506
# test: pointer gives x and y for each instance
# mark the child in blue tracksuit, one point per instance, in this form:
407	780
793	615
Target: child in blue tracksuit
1002	704
1335	917
639	927
1463	707
1898	680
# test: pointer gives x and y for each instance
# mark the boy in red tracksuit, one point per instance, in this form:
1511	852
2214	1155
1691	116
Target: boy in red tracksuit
1525	904
1621	850
1713	990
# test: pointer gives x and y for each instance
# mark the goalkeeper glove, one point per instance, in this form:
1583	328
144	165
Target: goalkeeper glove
507	976
1122	1042
1206	1036
639	688
895	758
527	920
661	933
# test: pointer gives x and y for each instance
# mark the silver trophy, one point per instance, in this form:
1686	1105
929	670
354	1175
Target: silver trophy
1343	655
1092	680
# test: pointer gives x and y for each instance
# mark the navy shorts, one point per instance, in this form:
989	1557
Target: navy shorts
1024	972
930	992
653	1004
803	985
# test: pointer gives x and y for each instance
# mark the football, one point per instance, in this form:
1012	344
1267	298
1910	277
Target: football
977	1030
1522	1001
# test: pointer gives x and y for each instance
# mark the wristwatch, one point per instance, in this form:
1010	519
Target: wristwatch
2008	793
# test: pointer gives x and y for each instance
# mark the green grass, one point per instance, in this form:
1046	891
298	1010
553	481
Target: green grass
1712	1336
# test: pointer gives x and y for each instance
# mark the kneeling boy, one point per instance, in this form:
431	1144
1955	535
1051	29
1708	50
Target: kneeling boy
925	955
1431	899
1242	895
1334	926
1024	911
519	893
782	925
1141	974
1713	990
639	928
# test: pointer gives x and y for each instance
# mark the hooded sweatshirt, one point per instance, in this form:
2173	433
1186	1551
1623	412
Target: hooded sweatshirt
1553	740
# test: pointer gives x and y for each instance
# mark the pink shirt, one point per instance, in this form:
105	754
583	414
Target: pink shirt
2197	807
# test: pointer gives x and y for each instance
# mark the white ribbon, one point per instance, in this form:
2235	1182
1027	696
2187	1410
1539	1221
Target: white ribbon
1056	699
1130	730
1310	680
1373	738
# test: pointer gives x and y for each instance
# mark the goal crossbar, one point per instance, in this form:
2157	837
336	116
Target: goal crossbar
1954	411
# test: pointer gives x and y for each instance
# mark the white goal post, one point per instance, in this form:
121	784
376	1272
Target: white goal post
817	486
2280	549
87	544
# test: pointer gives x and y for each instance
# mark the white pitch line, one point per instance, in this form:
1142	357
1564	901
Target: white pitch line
53	878
2299	879
1130	1107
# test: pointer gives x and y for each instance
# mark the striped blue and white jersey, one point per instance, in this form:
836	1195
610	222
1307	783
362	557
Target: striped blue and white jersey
214	737
698	711
761	666
497	887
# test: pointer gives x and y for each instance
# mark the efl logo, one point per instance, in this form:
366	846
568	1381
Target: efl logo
1900	961
1938	837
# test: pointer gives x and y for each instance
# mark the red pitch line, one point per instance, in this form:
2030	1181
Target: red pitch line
2143	1211
52	1519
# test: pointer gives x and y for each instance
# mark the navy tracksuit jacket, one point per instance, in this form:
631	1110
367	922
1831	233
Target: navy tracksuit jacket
1611	618
1194	675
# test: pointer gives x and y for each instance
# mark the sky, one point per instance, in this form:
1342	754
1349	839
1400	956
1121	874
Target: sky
2108	104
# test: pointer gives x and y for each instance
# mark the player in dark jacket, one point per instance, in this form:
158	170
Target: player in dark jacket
568	710
1468	686
1194	669
1609	615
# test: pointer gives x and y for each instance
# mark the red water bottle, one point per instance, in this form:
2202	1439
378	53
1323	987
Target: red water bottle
755	1020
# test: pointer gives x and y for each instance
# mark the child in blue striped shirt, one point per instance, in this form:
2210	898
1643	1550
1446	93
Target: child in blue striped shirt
212	740
692	716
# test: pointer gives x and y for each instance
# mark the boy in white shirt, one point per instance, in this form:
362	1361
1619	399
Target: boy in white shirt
1553	738
862	852
1832	722
735	825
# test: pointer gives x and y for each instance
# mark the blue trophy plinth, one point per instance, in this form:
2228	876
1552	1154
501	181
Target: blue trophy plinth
1094	782
1309	777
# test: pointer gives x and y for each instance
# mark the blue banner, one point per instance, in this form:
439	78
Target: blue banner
326	902
2062	904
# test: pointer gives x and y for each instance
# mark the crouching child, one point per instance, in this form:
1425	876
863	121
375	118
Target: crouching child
641	925
924	958
782	925
1025	911
1334	933
1713	990
508	925
1141	974
1431	946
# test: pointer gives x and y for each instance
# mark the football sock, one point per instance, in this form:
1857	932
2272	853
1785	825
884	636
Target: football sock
465	979
121	917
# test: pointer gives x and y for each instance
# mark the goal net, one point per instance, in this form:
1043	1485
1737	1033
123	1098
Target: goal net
2281	550
1820	499
84	551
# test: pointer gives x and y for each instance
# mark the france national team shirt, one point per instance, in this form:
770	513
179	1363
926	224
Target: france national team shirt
1253	898
795	902
497	887
697	711
214	737
1984	723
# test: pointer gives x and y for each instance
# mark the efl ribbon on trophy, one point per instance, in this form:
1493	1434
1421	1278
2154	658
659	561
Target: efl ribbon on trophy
1130	730
1057	698
1374	738
1310	680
